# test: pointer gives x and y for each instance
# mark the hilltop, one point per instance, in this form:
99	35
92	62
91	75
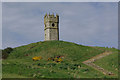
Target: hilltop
20	64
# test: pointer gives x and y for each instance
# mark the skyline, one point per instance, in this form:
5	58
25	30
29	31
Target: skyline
90	24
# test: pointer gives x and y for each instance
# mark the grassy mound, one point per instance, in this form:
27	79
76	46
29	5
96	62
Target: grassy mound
72	51
20	61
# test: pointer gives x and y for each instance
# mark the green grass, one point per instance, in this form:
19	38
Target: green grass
52	48
12	76
109	63
20	65
48	69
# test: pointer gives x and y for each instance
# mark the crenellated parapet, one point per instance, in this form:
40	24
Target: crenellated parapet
51	17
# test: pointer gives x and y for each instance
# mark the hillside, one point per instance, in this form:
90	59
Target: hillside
19	64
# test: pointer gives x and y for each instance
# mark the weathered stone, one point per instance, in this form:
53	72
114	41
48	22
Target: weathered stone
51	27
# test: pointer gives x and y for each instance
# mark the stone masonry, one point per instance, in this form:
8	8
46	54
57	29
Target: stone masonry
51	27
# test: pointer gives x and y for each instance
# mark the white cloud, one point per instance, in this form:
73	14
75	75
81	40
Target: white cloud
85	23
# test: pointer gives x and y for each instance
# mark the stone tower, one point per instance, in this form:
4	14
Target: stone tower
51	27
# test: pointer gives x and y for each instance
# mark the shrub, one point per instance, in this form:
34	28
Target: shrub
85	70
66	64
53	64
6	52
4	55
36	58
63	67
38	64
76	65
73	68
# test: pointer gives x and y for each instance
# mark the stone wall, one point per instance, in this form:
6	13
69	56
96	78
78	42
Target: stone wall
51	27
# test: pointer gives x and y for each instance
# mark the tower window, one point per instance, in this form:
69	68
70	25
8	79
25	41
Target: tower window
53	24
45	25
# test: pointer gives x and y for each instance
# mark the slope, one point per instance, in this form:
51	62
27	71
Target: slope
20	60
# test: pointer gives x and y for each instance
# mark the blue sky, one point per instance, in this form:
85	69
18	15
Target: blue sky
86	23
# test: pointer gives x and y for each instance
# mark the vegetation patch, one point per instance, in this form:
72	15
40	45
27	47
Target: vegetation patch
55	59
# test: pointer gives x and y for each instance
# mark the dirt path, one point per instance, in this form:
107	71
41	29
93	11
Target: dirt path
93	59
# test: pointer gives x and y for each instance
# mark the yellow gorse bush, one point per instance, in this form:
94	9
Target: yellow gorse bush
56	58
59	60
36	58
